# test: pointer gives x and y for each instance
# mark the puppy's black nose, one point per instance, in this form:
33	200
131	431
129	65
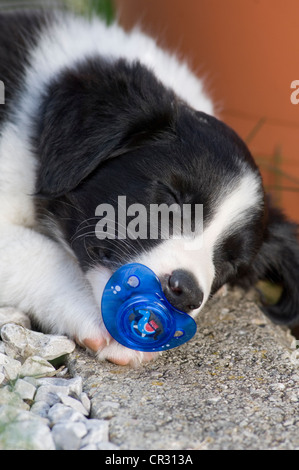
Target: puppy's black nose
182	290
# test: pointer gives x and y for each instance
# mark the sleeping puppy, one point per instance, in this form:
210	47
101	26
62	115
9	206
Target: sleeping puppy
93	114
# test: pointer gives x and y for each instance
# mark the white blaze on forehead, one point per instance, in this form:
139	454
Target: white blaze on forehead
233	210
196	255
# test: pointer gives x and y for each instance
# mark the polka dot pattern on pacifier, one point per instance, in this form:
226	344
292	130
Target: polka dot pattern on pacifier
133	281
116	289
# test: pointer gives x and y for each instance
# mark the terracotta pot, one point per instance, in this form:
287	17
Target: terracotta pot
249	53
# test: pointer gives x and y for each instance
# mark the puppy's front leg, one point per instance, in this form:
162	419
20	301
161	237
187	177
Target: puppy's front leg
42	279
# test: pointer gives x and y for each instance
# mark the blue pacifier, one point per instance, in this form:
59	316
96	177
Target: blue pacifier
137	314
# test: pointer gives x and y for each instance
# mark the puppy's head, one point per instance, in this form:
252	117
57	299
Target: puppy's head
116	146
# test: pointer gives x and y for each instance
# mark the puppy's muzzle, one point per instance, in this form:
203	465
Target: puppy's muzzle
182	290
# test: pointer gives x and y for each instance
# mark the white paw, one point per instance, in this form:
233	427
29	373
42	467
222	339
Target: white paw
115	352
106	348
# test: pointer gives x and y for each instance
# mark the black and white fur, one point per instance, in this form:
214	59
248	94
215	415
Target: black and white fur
92	113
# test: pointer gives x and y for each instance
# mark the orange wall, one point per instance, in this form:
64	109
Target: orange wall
249	52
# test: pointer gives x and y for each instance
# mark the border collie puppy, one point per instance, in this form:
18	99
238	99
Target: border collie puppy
93	113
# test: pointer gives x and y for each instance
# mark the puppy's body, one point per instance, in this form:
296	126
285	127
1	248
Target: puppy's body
93	113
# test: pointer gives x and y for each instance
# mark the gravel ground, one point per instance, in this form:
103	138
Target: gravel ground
233	386
41	406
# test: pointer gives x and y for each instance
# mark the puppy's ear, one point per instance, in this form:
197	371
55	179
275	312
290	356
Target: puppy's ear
278	263
94	113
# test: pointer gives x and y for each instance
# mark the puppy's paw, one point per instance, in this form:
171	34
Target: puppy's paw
123	356
110	350
96	341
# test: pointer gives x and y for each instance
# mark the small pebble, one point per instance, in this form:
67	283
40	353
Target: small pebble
97	432
85	401
46	394
25	389
67	436
40	408
72	403
37	367
68	386
60	412
9	367
25	343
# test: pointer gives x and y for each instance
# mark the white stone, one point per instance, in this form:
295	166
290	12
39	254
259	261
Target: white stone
54	389
213	400
40	408
9	367
11	413
98	432
12	315
85	401
27	435
60	412
67	386
32	381
23	342
9	397
36	366
46	394
25	389
73	403
68	436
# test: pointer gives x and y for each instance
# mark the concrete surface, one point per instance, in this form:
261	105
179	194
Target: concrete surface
235	385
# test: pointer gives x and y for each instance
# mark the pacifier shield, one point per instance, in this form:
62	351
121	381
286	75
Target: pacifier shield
137	314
